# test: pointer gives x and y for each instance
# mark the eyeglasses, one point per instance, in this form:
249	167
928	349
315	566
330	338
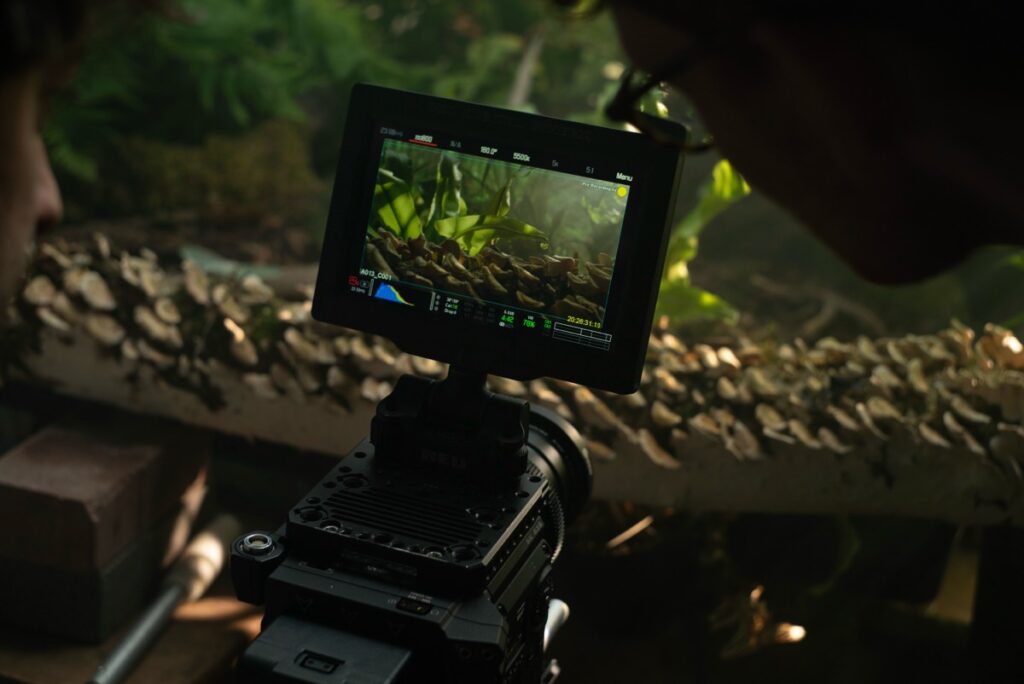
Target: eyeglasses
625	108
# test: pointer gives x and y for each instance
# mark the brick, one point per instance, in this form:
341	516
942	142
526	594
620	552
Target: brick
80	491
89	605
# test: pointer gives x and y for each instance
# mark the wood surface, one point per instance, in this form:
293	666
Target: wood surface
199	647
916	425
897	476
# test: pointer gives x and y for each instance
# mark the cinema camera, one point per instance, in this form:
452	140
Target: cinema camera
499	242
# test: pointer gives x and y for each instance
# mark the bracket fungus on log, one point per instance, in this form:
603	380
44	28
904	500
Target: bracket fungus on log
921	425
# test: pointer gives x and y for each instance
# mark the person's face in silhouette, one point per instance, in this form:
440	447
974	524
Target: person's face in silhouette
898	145
29	197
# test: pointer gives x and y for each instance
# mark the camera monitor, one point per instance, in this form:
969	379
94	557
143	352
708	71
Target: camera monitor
495	240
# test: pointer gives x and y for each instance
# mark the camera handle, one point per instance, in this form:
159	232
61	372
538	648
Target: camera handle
455	424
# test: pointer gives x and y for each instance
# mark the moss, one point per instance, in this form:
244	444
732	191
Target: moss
264	172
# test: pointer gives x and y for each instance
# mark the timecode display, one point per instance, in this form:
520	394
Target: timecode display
586	322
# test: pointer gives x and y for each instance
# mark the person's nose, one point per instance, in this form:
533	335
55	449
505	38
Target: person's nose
48	206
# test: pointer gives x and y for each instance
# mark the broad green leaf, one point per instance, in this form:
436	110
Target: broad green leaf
450	227
495	227
502	202
447	201
681	301
724	188
1016	260
393	202
686	249
475	232
677	272
475	240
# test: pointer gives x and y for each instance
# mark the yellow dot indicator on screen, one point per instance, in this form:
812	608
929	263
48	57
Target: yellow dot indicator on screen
622	191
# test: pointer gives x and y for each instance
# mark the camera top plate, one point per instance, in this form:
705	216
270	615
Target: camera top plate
498	241
415	527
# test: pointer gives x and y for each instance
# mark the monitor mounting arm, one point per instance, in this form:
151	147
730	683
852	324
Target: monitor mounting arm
455	425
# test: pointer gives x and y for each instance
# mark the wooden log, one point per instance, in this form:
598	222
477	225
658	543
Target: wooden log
908	480
918	425
900	476
80	368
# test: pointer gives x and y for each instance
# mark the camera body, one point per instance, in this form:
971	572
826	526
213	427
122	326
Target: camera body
437	568
497	242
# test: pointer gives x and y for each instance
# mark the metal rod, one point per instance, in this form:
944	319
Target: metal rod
187	580
139	638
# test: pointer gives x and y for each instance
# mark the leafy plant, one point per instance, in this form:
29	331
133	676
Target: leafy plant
228	179
396	205
447	202
678	298
476	231
204	69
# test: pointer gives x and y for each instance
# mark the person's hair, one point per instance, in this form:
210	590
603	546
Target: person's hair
39	32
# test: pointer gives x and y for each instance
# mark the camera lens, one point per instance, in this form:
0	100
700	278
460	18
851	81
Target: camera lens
558	451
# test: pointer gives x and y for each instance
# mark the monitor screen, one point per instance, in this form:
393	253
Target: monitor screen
500	240
454	229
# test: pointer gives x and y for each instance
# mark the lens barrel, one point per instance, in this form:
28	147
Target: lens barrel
558	452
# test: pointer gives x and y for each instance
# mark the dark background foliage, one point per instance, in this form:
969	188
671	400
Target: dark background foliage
218	117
